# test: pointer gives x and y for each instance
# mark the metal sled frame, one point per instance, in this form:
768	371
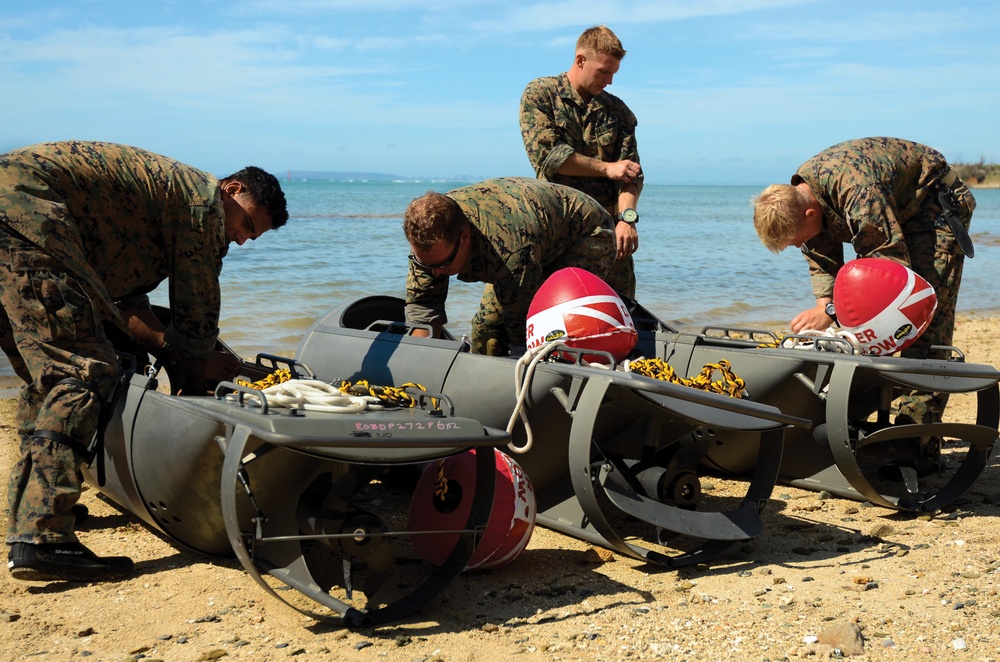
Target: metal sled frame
838	390
610	446
605	475
221	477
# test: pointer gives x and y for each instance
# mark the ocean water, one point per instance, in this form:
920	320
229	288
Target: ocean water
699	262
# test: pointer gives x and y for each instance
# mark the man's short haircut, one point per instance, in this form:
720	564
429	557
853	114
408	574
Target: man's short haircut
600	39
265	190
778	211
431	218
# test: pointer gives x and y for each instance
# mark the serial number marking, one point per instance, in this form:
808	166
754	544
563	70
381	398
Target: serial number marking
408	425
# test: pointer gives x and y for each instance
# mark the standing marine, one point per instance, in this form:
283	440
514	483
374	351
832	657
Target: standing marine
578	134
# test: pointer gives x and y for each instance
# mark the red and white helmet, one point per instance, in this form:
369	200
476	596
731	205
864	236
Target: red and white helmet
584	312
885	304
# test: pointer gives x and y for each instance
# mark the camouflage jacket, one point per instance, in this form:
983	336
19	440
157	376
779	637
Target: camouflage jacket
555	123
872	193
123	220
518	227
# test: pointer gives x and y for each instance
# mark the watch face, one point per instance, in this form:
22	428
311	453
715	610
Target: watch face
630	216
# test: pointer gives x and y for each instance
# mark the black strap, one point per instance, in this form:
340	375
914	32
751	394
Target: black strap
60	438
949	211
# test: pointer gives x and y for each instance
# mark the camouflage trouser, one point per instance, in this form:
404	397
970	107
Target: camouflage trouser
489	334
936	257
50	332
622	278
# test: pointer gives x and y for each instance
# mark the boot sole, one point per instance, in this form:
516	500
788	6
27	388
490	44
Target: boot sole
48	574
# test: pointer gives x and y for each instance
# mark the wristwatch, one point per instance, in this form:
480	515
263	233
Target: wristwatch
831	311
629	215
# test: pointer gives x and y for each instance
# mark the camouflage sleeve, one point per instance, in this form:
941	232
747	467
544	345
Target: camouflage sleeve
540	132
825	257
195	297
425	297
630	148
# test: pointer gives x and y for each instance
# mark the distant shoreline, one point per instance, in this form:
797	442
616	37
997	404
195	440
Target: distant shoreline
382	178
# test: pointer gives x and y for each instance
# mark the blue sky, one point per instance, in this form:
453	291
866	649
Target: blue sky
737	91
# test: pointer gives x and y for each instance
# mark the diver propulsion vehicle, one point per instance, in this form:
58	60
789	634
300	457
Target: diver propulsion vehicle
609	449
856	448
301	496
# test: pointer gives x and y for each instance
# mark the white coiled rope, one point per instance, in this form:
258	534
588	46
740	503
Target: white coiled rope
802	343
311	395
522	385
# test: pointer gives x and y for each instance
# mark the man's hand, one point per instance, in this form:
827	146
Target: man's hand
627	239
814	319
623	171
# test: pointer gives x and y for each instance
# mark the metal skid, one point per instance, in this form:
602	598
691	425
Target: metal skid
301	497
614	457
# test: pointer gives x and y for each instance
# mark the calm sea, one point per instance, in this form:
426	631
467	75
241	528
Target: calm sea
699	262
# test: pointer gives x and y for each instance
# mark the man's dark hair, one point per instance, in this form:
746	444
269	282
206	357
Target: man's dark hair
265	190
431	218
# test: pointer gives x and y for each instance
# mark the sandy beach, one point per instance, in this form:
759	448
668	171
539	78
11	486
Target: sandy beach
916	587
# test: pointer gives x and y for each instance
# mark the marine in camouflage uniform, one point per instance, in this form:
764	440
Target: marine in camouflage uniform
87	229
520	231
558	122
879	195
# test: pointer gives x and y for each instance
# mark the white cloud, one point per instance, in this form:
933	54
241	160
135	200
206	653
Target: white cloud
436	84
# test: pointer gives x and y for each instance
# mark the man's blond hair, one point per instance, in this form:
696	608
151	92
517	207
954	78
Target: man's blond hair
431	218
778	211
600	39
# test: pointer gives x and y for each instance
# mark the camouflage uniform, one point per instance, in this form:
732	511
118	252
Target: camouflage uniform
86	227
522	230
876	194
556	122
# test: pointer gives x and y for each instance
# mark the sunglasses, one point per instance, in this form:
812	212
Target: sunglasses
440	265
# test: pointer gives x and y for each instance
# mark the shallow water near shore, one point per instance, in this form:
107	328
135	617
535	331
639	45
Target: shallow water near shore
699	262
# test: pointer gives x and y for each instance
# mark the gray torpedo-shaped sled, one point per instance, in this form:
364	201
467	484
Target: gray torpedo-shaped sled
614	458
306	499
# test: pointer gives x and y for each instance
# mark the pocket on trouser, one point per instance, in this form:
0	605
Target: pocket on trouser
70	410
489	335
59	336
44	311
966	202
29	401
489	341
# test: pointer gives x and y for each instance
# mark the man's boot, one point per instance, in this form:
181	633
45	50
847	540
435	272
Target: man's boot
64	561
